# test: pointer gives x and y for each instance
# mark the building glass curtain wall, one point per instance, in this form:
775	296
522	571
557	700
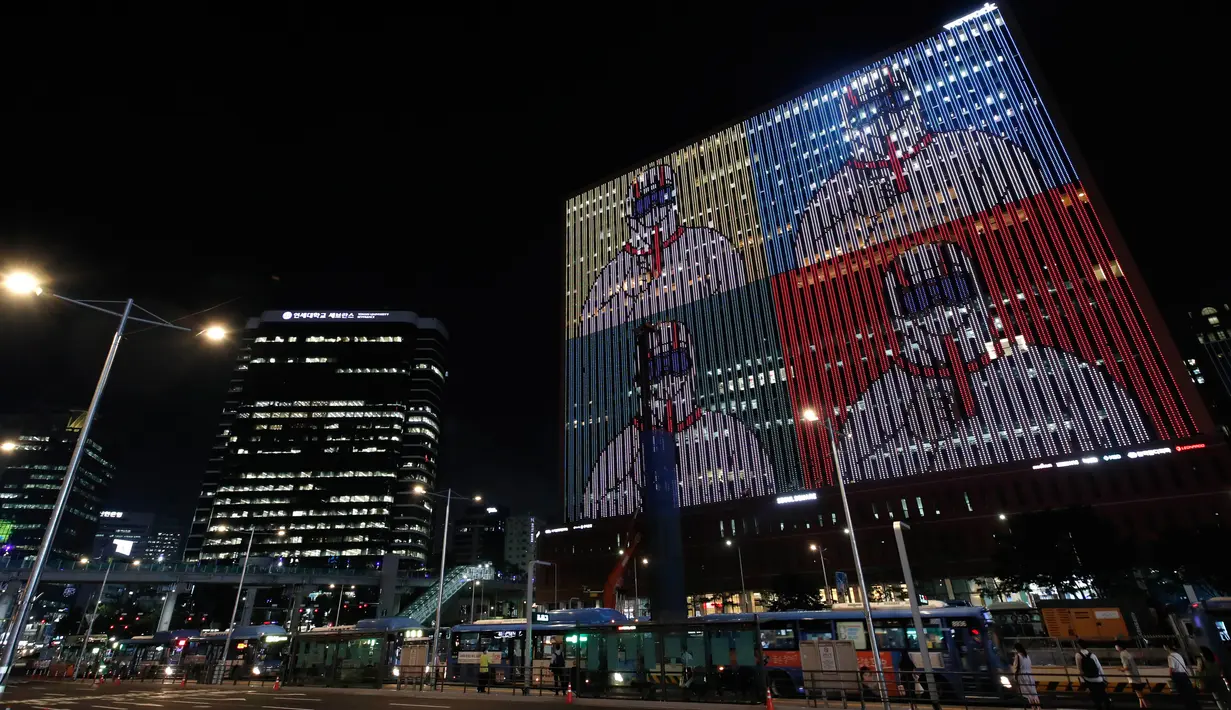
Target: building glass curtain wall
908	250
332	418
35	457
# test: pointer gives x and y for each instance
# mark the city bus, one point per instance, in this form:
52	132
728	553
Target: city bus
370	653
504	639
739	654
253	651
1210	631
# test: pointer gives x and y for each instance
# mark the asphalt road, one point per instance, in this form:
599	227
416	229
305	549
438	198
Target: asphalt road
138	696
60	695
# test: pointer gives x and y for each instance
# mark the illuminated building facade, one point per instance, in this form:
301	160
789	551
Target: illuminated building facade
332	419
908	252
34	455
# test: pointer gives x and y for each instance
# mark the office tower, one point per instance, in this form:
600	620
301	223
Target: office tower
122	535
332	418
1208	360
166	540
34	454
520	536
478	535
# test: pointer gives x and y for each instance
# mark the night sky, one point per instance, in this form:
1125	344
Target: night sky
349	159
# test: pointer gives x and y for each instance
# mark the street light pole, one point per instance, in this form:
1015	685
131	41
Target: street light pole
440	584
26	284
337	617
743	589
863	587
820	551
529	648
90	629
473	583
235	609
18	624
924	652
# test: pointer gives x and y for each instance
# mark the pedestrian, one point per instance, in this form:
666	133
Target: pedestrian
1214	682
1128	665
485	664
1091	671
557	667
1023	673
1181	678
908	682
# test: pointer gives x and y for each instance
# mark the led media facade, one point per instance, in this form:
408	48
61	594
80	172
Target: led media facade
908	250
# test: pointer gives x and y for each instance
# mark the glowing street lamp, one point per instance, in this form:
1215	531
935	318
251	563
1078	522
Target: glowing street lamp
215	332
23	283
8	446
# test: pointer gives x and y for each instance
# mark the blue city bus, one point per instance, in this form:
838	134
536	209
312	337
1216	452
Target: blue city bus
503	640
608	654
963	649
1210	630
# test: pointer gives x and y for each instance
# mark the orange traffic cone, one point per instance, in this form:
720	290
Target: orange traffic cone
277	684
568	697
769	699
184	681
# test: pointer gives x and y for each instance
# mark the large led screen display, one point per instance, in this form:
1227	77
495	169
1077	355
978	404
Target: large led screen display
906	252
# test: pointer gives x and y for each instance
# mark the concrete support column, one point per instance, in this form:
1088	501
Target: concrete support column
245	616
298	592
389	596
168	606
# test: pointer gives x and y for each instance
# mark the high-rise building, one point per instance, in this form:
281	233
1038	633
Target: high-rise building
122	534
907	251
166	540
478	535
911	254
1208	359
34	454
520	534
332	419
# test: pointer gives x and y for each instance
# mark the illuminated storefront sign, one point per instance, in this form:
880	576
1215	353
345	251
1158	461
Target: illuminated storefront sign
917	317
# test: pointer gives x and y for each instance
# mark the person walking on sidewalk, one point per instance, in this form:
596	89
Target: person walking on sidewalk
1023	673
557	668
1129	667
1181	678
1092	676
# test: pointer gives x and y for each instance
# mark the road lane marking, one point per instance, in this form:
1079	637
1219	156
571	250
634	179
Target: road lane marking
283	707
286	695
108	707
148	705
412	705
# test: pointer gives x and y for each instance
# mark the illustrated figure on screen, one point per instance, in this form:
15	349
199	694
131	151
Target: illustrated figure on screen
664	264
960	396
903	178
717	457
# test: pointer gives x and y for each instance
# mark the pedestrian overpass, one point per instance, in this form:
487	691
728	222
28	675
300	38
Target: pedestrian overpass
394	585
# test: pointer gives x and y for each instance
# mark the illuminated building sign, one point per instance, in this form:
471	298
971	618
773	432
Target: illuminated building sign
111	514
797	498
343	317
907	251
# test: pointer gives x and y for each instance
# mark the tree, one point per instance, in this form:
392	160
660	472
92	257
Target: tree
792	592
1064	549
